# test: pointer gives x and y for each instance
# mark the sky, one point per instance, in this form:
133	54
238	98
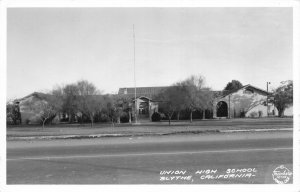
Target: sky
47	47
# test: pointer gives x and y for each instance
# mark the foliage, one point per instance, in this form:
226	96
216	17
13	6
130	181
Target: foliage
232	86
45	111
57	98
112	108
171	101
85	102
124	118
88	100
38	107
13	115
196	95
119	107
81	100
190	94
69	101
283	97
155	117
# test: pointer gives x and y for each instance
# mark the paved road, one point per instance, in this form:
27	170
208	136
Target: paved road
194	159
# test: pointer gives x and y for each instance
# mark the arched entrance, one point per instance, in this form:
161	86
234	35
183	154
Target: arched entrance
222	109
143	108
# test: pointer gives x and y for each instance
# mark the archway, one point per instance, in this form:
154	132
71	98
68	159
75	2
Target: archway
222	109
143	108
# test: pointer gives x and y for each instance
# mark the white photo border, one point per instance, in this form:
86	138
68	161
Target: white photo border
6	4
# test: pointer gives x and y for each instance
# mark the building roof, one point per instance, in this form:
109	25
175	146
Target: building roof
151	91
141	91
39	95
248	87
148	92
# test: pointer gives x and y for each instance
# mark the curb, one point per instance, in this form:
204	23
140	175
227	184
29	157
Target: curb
141	134
78	136
255	130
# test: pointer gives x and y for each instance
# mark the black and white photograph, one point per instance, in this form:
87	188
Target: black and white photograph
152	95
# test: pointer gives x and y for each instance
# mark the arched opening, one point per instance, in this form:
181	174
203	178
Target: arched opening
222	109
143	108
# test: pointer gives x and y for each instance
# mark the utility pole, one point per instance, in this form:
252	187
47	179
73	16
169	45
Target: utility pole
135	106
268	98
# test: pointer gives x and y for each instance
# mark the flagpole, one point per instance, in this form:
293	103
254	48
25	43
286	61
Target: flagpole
135	111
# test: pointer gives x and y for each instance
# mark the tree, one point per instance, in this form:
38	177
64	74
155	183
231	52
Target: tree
43	110
196	95
58	100
78	98
13	115
90	105
123	105
232	86
111	108
46	111
171	101
70	100
89	100
283	97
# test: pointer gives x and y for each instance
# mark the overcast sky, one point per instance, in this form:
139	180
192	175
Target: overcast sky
55	46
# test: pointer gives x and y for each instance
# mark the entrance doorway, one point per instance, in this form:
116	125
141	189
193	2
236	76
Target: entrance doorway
222	109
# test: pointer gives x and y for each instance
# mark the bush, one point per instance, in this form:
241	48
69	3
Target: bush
104	117
27	121
163	116
260	113
156	117
124	117
253	114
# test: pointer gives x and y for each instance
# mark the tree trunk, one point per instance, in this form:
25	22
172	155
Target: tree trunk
203	114
92	120
129	114
119	119
178	115
281	113
44	123
191	116
70	118
112	122
169	120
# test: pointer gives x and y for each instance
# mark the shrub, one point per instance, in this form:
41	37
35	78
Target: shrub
27	121
156	117
253	114
260	113
163	116
104	117
124	117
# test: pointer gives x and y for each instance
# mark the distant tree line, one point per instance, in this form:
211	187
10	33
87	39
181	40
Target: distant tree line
83	102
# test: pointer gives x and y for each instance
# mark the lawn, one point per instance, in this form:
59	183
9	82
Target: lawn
150	127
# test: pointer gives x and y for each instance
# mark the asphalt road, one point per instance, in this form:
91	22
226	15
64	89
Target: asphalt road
194	159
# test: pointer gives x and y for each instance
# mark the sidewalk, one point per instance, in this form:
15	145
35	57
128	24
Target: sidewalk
150	129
